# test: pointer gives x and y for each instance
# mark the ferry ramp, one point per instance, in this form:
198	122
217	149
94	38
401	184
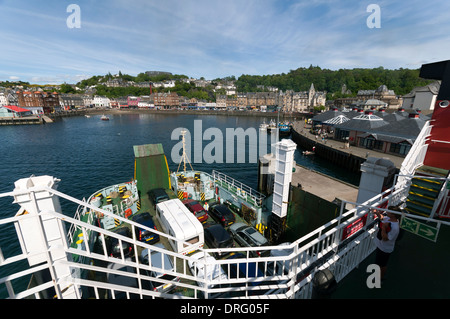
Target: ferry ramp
151	169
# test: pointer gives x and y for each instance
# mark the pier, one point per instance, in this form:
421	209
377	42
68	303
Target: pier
323	186
335	151
21	120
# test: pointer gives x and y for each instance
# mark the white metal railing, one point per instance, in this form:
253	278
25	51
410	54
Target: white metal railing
240	189
416	154
287	276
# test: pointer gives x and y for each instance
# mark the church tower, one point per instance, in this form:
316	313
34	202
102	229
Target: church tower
311	94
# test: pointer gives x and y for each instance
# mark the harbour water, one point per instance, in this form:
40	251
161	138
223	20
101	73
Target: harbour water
87	154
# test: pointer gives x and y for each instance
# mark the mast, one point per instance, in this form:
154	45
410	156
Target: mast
184	157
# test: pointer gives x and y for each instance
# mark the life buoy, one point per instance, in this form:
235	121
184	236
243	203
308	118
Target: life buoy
128	213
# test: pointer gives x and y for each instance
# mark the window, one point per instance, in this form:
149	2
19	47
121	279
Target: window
191	241
341	134
371	143
401	148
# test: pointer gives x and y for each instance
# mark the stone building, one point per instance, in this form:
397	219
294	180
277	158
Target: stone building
48	101
303	101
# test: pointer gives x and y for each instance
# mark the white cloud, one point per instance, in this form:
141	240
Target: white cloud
216	38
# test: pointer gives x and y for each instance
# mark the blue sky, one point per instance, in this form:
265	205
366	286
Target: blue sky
213	39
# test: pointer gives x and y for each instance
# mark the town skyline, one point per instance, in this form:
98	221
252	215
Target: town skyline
48	43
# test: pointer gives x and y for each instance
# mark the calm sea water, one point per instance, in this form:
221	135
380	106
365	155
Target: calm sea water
88	154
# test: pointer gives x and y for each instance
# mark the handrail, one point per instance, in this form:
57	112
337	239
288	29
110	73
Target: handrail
322	248
255	195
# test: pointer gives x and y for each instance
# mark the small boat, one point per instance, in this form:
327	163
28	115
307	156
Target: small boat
310	152
104	118
88	116
285	129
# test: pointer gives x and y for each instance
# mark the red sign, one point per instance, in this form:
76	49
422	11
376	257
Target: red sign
354	227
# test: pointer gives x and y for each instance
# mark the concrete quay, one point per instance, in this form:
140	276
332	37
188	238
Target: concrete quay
323	186
27	120
335	151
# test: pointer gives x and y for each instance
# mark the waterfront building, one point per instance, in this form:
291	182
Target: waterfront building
87	100
101	101
49	101
133	101
122	103
249	100
385	132
12	98
166	100
71	101
146	102
221	101
303	101
3	99
422	98
327	120
13	111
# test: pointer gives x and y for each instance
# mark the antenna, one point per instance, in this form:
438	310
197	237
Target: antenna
184	157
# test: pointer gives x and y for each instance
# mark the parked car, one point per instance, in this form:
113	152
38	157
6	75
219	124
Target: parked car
158	195
197	209
113	245
165	264
248	236
222	214
142	234
217	237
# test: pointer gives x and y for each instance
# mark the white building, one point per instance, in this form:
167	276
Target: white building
422	98
230	89
3	99
101	101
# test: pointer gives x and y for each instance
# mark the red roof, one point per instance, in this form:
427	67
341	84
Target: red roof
16	108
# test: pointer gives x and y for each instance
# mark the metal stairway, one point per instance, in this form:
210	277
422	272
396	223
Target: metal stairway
424	191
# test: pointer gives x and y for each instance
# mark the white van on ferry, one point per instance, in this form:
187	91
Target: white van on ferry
177	221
